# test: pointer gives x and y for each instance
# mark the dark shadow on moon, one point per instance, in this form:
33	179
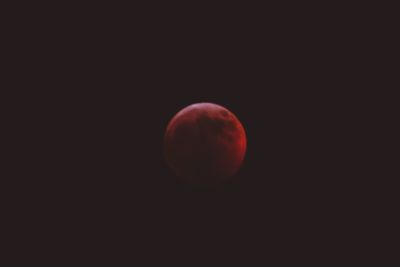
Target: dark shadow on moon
182	131
217	126
224	113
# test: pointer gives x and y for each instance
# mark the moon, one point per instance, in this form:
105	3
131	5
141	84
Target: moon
205	144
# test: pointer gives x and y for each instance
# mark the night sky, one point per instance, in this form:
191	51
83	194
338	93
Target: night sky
117	81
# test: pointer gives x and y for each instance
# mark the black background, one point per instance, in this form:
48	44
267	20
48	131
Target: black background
114	77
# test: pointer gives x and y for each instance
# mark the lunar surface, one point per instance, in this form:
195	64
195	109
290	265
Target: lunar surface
204	144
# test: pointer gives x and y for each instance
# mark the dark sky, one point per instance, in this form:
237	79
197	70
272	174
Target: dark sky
117	80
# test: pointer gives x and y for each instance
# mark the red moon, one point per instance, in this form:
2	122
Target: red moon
205	144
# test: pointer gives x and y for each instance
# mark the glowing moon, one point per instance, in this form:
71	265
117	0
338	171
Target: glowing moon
204	144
